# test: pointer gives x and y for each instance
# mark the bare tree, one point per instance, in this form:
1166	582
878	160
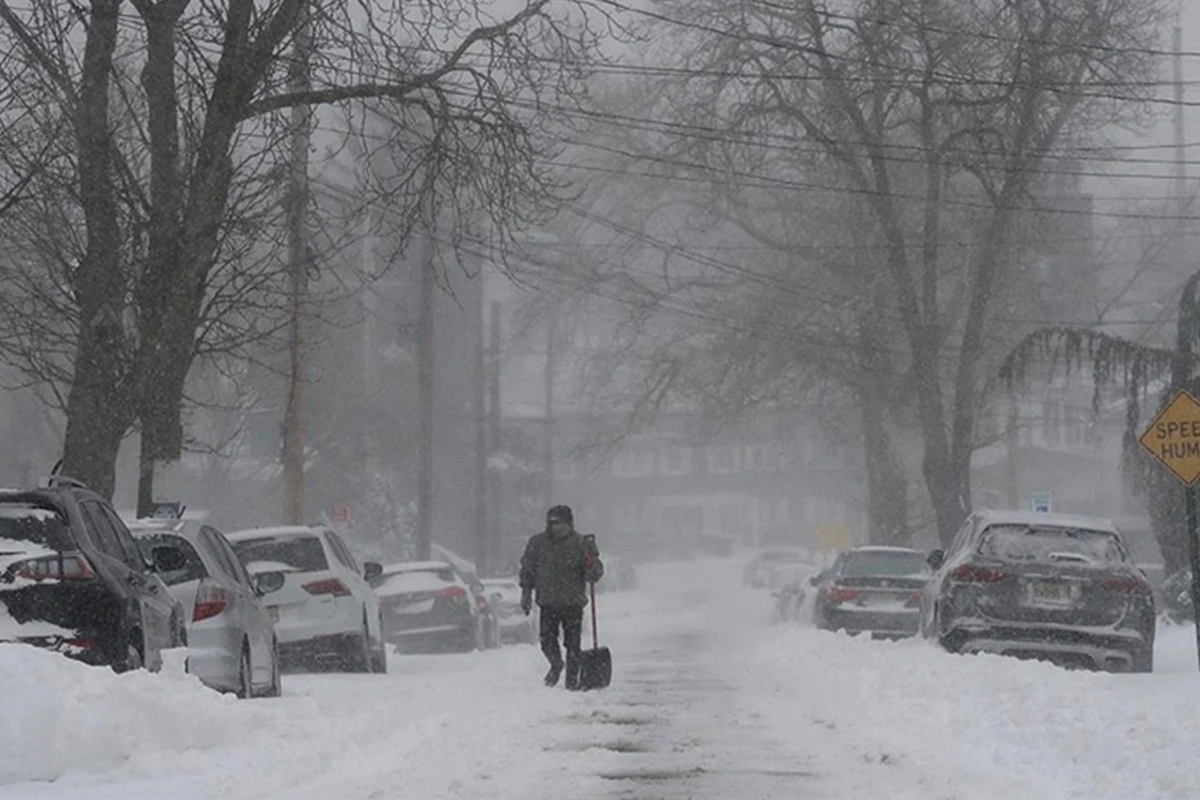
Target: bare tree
929	112
212	89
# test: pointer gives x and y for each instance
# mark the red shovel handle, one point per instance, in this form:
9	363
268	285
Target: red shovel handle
587	563
595	636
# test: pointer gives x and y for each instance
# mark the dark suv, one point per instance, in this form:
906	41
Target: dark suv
72	579
1039	585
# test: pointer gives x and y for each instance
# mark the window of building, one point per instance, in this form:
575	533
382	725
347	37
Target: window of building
675	460
722	460
634	462
628	516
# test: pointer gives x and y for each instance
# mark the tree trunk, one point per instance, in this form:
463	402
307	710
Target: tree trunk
887	487
97	418
98	415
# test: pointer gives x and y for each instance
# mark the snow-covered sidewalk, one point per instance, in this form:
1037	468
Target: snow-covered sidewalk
708	701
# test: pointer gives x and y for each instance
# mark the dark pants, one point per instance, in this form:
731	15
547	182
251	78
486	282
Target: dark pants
570	619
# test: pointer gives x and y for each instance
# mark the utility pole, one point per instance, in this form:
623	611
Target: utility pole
548	440
479	421
294	444
493	433
1180	154
425	406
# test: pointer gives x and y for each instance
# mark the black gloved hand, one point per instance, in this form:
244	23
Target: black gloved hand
526	601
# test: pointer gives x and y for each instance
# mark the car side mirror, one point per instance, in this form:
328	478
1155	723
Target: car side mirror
267	582
372	570
167	559
936	558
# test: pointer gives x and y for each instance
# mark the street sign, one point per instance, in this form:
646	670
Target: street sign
1042	501
832	537
1173	437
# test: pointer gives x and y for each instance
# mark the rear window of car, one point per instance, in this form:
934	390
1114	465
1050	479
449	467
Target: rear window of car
193	570
420	580
1026	543
301	553
883	563
42	527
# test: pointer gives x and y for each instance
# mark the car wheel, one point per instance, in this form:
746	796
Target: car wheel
276	687
245	674
1143	661
358	656
132	660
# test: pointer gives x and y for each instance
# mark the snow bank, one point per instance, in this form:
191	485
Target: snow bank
60	716
982	726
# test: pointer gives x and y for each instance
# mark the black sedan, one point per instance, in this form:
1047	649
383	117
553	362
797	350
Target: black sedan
872	589
1038	585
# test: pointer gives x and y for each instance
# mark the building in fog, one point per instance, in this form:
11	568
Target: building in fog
677	490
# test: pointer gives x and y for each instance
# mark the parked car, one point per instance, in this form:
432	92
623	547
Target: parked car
467	572
790	584
871	589
326	613
505	597
72	579
428	607
758	572
619	575
231	635
1050	586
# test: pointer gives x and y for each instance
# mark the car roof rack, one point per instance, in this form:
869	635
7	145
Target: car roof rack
54	481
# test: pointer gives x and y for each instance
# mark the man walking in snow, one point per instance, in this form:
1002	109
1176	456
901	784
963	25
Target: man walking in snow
558	564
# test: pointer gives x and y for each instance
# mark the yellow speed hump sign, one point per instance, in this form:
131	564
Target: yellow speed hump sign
1173	437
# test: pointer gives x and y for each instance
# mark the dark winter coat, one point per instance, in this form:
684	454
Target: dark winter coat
558	568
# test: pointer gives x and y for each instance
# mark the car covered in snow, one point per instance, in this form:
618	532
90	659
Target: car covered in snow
72	579
231	635
871	589
1056	587
429	607
757	574
504	594
325	612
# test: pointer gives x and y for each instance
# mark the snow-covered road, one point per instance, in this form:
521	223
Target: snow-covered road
707	702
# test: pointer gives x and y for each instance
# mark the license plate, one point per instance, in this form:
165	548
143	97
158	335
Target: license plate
273	613
1055	595
419	607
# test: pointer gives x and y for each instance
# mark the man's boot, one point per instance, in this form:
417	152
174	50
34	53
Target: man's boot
572	683
553	674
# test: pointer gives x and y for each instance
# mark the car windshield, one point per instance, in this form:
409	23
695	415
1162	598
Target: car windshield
40	527
887	563
301	553
1049	545
193	570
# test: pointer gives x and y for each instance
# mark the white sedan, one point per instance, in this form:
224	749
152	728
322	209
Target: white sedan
326	614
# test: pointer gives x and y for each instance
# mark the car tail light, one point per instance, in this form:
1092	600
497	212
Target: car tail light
331	586
914	600
80	643
62	567
453	593
1134	586
970	573
210	600
481	603
840	594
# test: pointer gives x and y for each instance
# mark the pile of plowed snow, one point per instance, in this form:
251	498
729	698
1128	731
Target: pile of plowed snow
60	716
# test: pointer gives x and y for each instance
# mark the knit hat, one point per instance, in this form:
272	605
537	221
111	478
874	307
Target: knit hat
560	514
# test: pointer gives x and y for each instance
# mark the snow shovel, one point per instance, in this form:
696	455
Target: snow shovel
595	665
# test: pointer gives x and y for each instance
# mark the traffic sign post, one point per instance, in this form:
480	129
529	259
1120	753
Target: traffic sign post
1173	438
